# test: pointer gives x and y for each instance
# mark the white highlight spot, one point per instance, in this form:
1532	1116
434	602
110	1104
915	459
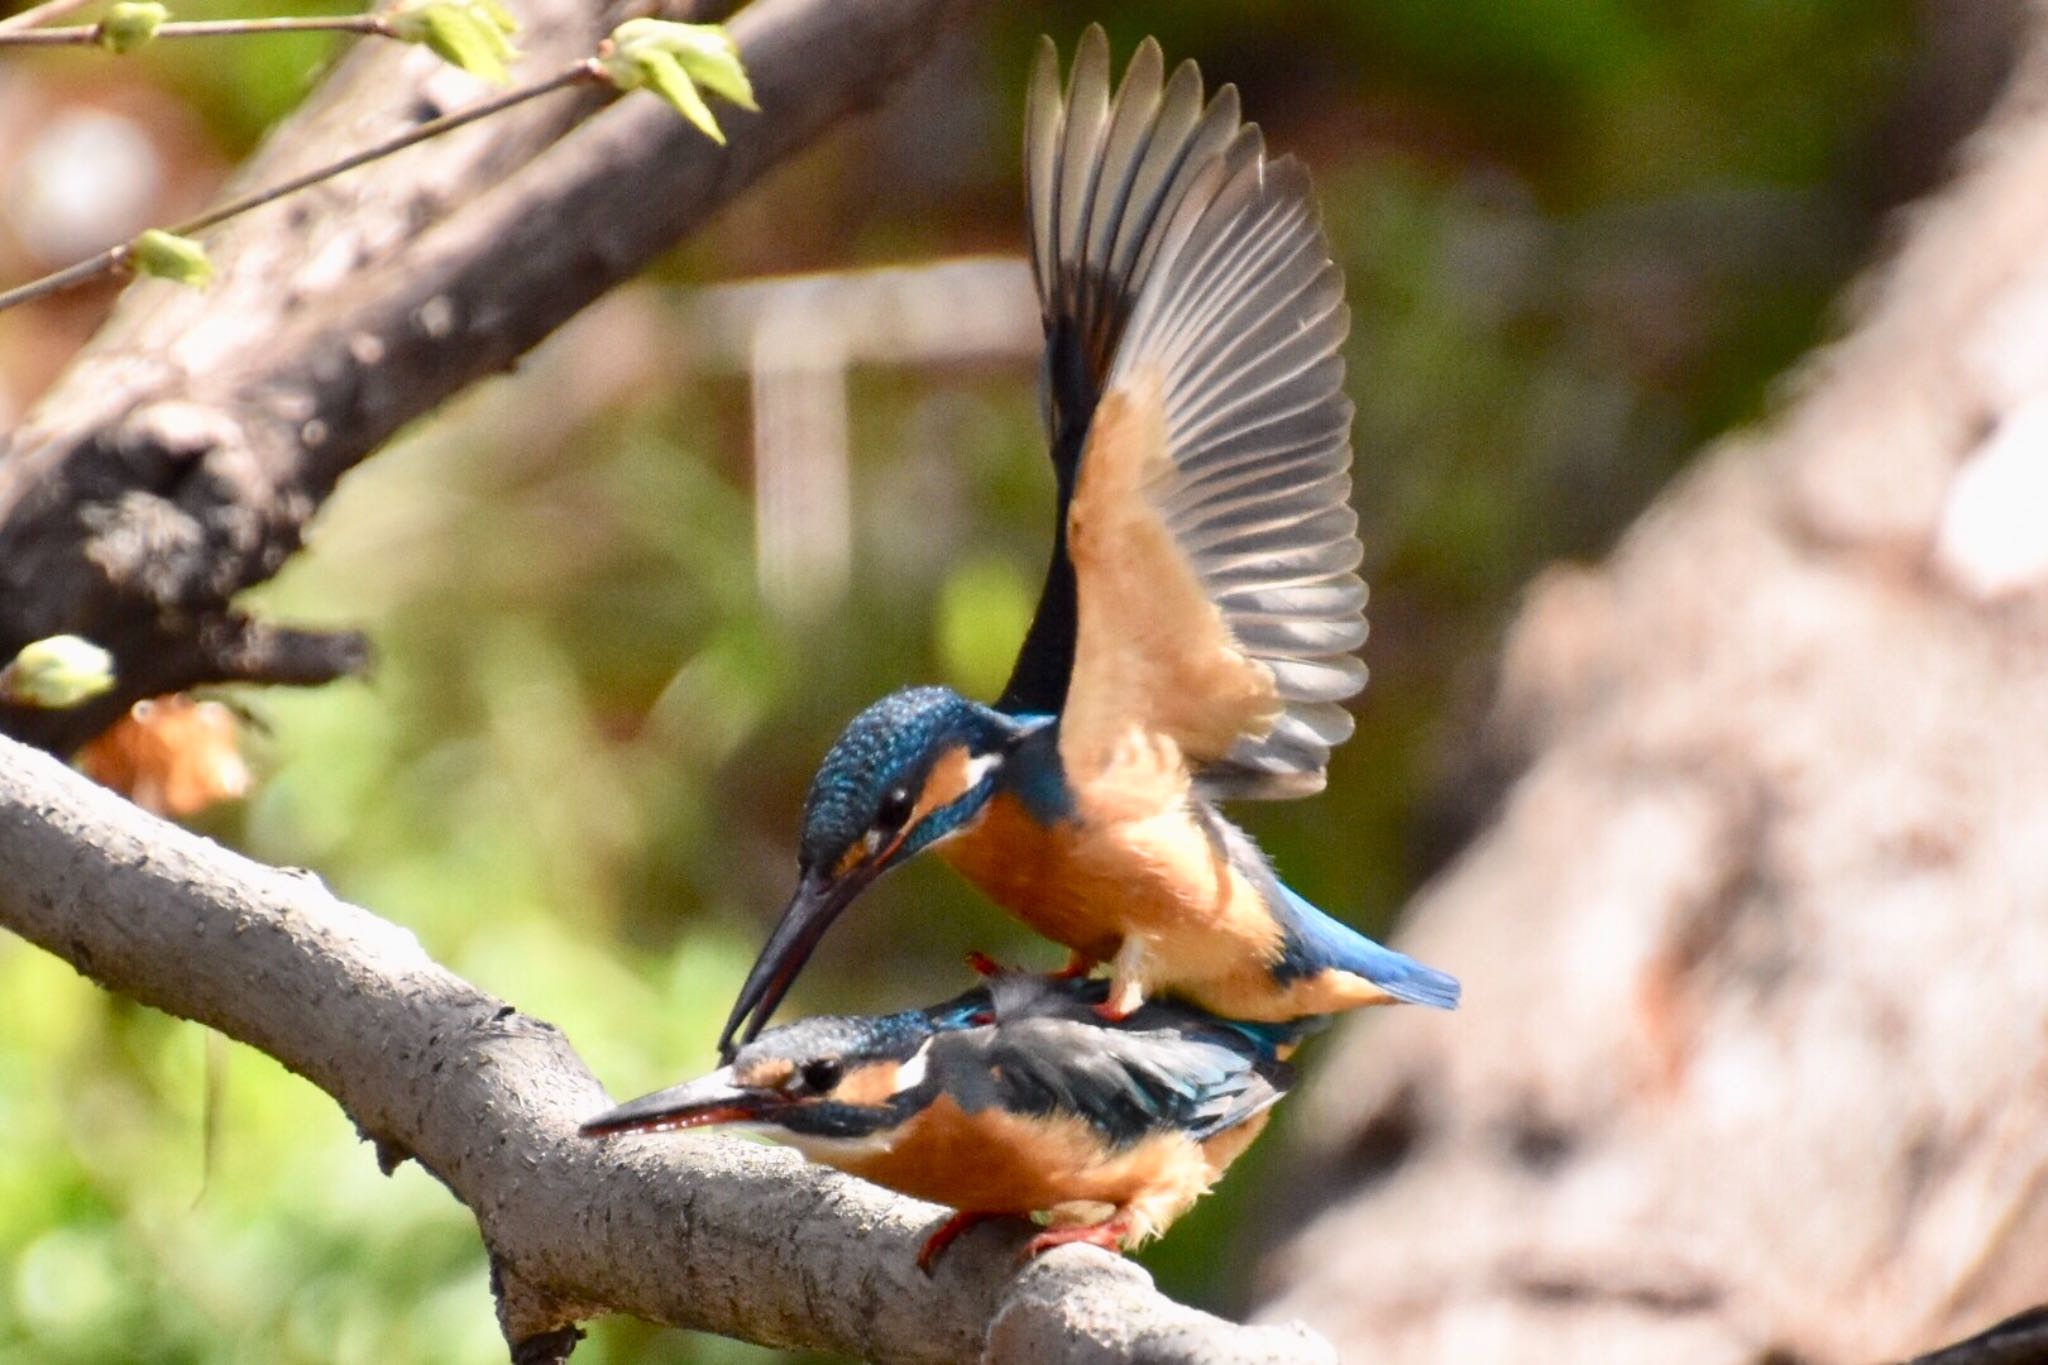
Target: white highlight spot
436	317
85	180
1993	539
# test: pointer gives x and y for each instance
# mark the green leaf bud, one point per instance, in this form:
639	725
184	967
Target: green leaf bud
168	256
130	24
57	672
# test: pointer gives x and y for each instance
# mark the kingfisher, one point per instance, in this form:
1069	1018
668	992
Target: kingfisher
1195	638
1014	1099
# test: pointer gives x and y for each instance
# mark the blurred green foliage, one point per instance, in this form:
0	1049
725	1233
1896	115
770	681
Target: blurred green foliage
1580	238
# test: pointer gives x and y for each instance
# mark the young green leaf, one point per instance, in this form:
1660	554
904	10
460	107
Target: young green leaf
170	257
707	53
500	18
57	672
666	77
471	34
672	60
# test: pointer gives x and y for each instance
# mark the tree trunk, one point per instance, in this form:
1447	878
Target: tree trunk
1753	1064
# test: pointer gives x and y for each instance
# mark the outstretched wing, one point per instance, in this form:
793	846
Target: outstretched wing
1205	589
1101	176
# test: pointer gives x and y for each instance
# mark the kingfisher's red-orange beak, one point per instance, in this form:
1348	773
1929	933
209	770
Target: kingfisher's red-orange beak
820	898
701	1103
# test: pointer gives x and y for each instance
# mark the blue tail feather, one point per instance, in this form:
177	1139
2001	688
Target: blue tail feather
1311	941
1315	942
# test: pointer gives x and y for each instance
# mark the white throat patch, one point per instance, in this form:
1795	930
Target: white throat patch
911	1074
981	766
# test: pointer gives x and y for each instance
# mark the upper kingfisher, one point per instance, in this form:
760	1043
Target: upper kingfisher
1194	639
1015	1098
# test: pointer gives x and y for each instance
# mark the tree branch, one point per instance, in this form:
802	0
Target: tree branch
41	14
220	424
704	1232
585	72
86	35
2019	1340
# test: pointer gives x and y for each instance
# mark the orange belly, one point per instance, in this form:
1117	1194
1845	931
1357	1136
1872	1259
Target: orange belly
1093	885
1031	871
1202	930
995	1162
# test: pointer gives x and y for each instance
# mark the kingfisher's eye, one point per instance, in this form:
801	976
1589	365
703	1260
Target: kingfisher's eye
894	810
822	1076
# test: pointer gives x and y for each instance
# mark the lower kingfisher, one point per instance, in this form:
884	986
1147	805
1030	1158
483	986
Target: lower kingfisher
1194	639
1016	1098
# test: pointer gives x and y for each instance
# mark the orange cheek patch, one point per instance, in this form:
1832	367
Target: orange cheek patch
946	784
769	1074
870	1085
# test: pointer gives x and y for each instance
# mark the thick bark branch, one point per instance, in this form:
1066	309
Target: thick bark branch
180	459
706	1232
1751	1064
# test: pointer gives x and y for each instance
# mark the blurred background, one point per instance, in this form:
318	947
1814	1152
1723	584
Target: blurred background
624	598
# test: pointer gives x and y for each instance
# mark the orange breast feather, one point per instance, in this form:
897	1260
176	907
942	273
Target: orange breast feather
1096	880
1118	870
997	1162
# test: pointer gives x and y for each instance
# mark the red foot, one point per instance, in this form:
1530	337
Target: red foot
981	964
1109	1235
1078	965
1108	1011
947	1233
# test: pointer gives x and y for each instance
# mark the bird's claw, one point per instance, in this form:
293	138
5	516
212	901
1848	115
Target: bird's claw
946	1234
1078	966
1109	1235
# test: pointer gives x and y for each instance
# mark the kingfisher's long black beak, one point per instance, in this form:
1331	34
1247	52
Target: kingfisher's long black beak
699	1104
818	901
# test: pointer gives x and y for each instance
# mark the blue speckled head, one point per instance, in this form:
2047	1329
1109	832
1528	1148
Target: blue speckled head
850	1039
911	769
789	1078
875	772
807	1061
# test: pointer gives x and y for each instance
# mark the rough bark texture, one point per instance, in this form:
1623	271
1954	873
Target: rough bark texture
708	1232
179	460
1753	1064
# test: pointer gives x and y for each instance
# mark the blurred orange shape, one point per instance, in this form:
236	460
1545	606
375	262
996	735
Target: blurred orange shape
171	755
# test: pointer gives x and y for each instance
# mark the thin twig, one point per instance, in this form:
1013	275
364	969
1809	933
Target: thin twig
585	71
85	35
86	270
41	14
581	72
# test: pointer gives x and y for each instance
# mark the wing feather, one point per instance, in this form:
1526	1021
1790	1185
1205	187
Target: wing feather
1044	130
1128	1084
1101	178
1207	550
